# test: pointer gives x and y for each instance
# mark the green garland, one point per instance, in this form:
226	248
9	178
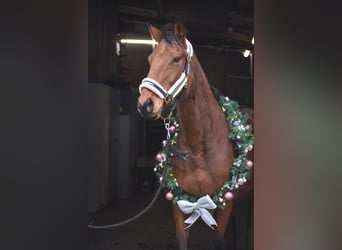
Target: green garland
242	136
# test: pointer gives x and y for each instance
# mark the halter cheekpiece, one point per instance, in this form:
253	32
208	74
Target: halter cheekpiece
176	88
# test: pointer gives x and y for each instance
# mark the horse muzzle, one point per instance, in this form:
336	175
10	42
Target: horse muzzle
146	109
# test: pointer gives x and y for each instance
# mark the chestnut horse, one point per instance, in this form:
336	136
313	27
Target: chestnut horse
176	81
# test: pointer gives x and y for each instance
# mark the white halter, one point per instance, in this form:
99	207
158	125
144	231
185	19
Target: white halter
156	88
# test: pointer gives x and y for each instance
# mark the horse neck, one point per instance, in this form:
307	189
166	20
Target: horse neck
198	111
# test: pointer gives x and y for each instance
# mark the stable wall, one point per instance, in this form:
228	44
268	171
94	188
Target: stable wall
98	145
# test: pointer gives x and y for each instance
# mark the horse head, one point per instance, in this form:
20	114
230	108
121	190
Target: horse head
169	69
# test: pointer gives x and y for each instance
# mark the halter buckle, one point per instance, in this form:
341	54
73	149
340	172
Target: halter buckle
168	98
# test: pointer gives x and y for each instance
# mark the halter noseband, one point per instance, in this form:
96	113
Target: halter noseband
156	88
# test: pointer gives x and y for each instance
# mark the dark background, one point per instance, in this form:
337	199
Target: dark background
122	145
44	125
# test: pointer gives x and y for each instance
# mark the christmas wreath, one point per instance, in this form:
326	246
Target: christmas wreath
242	136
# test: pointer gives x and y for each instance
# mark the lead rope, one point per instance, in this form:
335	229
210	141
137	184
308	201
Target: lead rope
168	136
139	214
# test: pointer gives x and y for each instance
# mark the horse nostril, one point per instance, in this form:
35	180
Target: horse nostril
149	105
145	108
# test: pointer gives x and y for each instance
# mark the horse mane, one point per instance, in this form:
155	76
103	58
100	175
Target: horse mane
216	92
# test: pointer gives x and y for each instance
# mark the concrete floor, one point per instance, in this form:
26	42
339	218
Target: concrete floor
155	230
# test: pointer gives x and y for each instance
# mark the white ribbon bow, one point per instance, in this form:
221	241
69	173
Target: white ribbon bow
198	209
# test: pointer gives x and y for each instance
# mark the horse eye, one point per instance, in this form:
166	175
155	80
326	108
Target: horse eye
176	59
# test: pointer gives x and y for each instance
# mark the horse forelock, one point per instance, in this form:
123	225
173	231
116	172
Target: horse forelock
169	35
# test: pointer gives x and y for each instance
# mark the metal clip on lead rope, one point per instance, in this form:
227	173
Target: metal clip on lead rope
167	127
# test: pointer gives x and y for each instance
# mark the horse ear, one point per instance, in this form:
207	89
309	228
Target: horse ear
156	34
180	32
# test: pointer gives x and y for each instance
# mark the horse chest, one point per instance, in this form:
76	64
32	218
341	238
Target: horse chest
198	176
